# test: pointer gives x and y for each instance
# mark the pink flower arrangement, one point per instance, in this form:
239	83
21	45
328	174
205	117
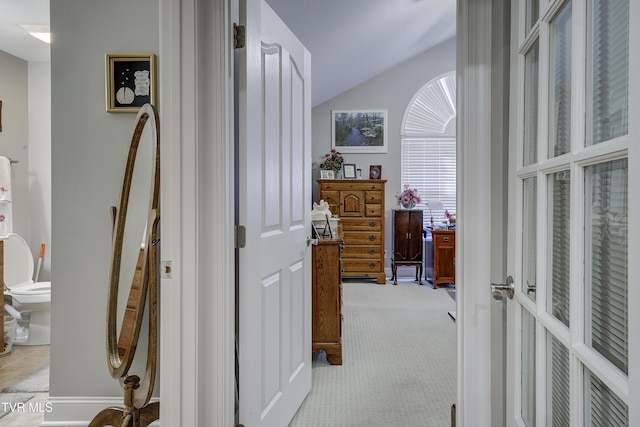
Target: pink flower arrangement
332	161
408	196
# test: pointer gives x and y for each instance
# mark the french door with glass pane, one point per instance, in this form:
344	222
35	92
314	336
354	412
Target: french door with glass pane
574	324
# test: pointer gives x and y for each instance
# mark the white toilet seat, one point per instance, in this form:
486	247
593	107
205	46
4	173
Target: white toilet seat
18	271
32	288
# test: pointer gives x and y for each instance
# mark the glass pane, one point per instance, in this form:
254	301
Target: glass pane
602	407
560	84
528	369
531	105
607	311
533	11
608	69
558	383
530	193
559	210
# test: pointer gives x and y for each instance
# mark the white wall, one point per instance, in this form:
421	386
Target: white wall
391	91
14	138
88	151
40	164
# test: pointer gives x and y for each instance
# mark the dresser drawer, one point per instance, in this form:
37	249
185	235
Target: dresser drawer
444	239
340	185
362	265
362	251
362	238
331	197
373	210
374	197
353	224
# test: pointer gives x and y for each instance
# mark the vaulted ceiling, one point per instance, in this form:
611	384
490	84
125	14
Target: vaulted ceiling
350	41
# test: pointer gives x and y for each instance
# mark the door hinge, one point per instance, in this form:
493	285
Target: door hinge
239	36
240	236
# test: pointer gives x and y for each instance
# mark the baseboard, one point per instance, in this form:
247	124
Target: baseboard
78	411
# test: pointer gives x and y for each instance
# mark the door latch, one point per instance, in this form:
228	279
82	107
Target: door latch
498	290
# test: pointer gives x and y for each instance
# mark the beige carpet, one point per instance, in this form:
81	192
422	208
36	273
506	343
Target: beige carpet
399	361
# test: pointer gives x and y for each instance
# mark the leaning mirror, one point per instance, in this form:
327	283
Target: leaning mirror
134	275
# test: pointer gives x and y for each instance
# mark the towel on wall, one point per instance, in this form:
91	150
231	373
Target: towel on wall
6	214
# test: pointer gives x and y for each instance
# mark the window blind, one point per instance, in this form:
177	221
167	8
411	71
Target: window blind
529	229
560	84
558	398
559	218
528	360
602	406
607	306
429	165
531	61
608	76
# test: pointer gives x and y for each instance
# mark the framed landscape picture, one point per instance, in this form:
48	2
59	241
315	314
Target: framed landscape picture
359	131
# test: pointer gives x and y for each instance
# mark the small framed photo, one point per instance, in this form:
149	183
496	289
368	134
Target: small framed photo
375	172
349	171
130	81
327	174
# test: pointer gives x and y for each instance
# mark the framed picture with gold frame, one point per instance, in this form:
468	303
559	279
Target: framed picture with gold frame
130	81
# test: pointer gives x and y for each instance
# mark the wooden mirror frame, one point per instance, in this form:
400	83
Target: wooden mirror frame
121	349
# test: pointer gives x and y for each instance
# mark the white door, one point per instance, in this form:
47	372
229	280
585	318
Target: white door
274	205
573	326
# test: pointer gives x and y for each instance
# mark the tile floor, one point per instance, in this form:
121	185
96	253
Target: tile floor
22	361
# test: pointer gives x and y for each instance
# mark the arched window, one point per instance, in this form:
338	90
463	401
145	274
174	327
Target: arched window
429	144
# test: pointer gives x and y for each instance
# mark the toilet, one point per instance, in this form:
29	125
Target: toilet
28	301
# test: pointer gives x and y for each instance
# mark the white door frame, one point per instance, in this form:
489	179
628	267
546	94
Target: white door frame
196	80
483	71
197	303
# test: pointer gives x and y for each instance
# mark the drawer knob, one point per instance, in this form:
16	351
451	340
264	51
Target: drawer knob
372	264
372	251
446	239
372	223
372	237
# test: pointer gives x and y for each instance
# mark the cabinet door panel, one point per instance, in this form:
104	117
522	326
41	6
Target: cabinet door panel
351	203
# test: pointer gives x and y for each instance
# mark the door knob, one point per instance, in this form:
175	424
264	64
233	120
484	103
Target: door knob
311	241
498	290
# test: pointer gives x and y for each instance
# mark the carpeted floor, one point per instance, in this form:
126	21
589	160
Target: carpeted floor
399	361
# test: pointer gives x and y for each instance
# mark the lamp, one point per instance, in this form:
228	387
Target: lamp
433	204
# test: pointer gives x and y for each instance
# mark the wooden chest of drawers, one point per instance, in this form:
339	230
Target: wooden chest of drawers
360	205
444	254
327	300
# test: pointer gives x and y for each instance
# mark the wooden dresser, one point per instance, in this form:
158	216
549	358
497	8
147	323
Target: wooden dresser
360	205
444	255
326	329
407	242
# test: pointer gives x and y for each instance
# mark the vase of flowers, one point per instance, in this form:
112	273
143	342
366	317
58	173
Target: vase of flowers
332	161
409	197
451	216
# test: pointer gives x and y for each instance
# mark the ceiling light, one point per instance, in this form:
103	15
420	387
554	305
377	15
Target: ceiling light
39	31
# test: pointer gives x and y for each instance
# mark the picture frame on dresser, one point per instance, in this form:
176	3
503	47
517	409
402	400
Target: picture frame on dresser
349	171
327	174
375	172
